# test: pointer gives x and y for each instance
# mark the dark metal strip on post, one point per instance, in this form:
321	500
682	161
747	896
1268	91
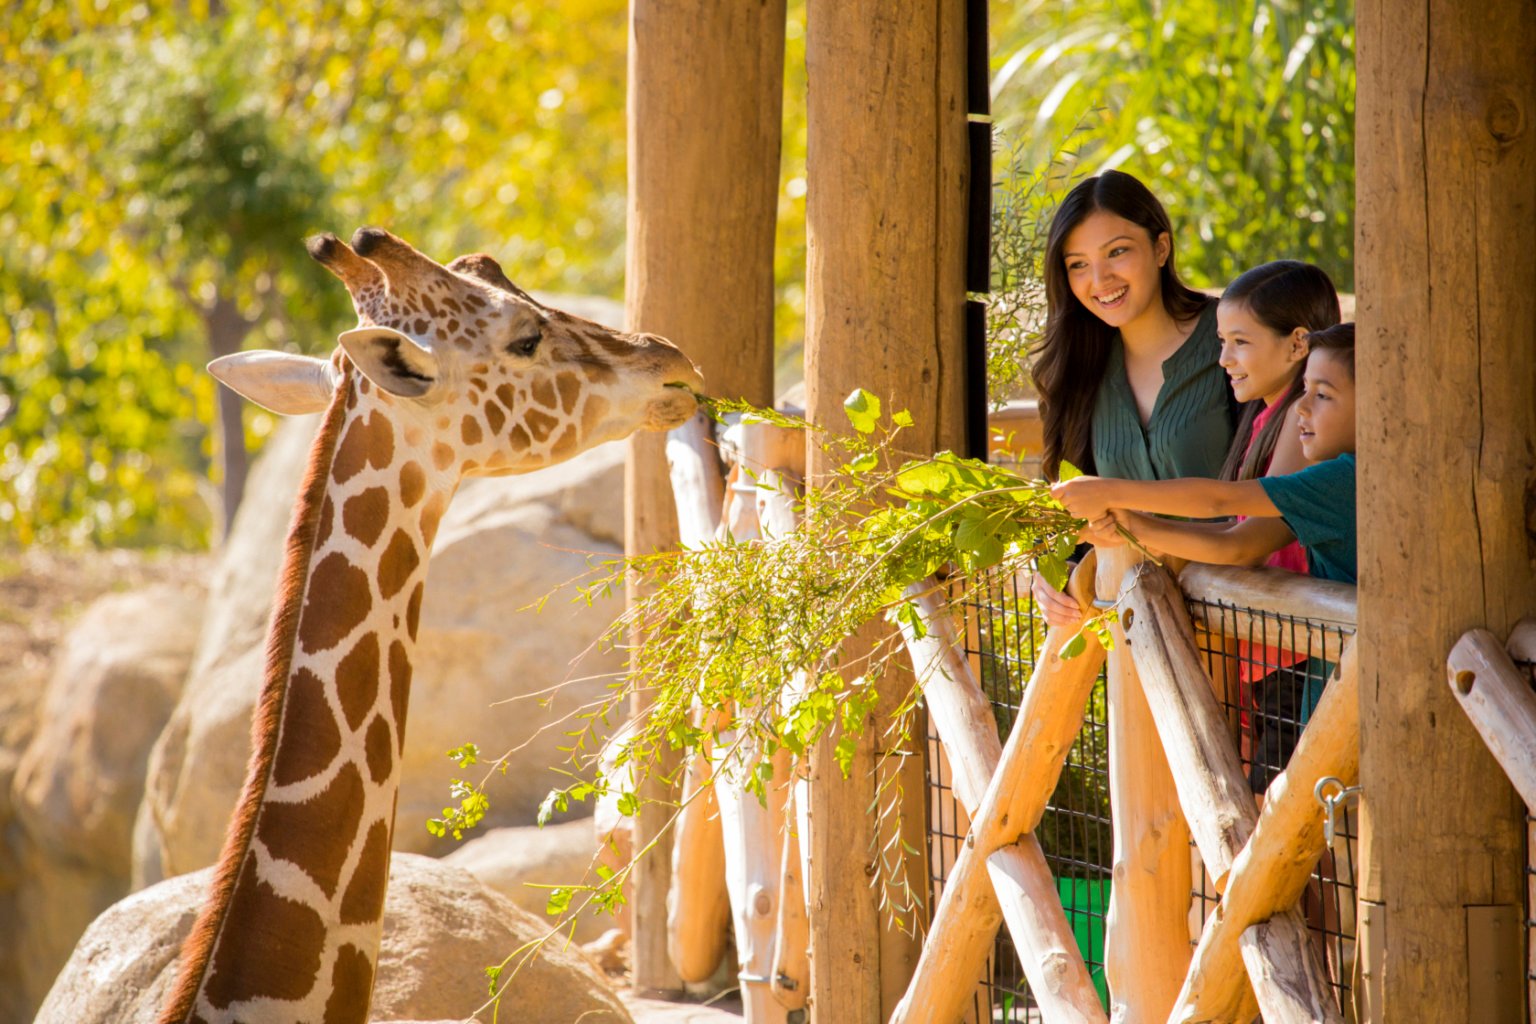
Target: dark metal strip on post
978	237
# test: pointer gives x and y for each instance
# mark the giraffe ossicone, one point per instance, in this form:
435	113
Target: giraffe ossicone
452	371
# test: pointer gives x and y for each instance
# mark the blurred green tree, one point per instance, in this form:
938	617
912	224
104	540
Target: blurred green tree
1239	114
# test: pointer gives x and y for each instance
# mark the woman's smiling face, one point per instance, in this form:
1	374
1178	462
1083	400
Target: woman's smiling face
1259	362
1113	267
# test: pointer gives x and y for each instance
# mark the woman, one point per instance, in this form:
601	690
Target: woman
1127	369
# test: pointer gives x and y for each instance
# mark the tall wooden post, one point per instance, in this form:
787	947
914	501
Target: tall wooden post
705	106
885	293
1146	946
1446	210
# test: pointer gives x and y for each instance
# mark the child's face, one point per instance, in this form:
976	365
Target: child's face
1259	362
1113	266
1327	410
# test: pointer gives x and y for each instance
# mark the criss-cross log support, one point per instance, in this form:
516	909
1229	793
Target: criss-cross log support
1269	874
1497	698
1001	874
728	853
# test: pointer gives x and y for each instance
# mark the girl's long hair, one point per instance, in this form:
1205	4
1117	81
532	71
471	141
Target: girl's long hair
1282	295
1070	359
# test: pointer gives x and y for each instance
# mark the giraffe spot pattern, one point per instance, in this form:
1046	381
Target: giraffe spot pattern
282	962
413	483
351	985
570	390
494	417
315	835
431	515
471	431
442	456
541	424
366	442
309	739
377	745
544	392
567	443
518	439
357	680
364	901
323	530
413	611
397	564
400	685
363	515
344	602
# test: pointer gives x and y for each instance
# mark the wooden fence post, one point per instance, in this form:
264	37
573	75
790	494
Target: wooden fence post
885	294
1147	924
1445	162
699	270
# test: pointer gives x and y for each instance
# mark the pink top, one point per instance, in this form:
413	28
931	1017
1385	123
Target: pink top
1256	660
1292	556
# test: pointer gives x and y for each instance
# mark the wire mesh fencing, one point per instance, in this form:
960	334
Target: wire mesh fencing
1268	693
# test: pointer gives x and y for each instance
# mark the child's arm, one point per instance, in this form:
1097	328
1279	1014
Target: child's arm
1089	497
1246	543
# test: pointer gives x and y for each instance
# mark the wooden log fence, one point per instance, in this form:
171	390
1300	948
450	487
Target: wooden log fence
1005	792
735	860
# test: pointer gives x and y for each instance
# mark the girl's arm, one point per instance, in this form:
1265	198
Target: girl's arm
1089	497
1246	543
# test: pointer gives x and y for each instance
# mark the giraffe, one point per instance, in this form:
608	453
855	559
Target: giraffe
452	371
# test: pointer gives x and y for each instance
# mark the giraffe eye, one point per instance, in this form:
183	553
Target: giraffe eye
526	345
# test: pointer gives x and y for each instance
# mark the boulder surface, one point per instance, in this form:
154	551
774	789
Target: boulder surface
442	928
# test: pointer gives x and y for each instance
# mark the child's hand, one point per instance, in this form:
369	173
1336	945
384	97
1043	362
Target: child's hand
1087	497
1101	533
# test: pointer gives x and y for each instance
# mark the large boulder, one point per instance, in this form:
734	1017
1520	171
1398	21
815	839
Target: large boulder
522	863
484	665
79	781
442	928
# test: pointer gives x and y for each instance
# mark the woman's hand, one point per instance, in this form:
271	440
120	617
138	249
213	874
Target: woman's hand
1103	532
1087	497
1060	610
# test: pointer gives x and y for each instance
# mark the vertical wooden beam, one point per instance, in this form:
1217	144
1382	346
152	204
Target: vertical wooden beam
1146	943
1446	186
704	126
885	292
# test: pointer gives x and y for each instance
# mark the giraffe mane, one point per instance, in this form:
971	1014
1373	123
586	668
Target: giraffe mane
282	635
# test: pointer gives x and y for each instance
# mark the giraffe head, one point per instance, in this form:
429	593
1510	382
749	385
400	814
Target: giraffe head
504	383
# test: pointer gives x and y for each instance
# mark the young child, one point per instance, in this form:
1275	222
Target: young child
1315	506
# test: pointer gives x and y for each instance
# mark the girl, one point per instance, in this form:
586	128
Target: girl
1126	369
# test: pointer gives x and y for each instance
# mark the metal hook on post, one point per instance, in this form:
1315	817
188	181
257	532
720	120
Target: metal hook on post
1331	801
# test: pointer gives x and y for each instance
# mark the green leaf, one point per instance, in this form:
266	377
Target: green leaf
1068	471
1075	646
863	410
902	418
1054	570
559	899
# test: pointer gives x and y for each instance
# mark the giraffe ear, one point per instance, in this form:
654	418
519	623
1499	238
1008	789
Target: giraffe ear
393	361
289	384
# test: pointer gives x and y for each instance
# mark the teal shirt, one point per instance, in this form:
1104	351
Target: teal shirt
1318	504
1192	419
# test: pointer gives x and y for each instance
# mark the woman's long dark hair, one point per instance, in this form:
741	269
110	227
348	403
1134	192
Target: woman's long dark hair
1282	295
1070	359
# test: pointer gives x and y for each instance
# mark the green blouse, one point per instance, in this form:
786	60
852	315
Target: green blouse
1192	418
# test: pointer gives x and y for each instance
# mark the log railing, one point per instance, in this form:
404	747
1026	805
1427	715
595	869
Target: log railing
741	866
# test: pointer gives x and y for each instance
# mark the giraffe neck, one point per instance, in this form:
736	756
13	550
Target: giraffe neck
292	928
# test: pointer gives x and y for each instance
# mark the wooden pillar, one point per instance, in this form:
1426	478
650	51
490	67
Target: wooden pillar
885	293
704	126
1446	187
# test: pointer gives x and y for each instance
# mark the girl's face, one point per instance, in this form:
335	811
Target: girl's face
1112	266
1327	410
1259	362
